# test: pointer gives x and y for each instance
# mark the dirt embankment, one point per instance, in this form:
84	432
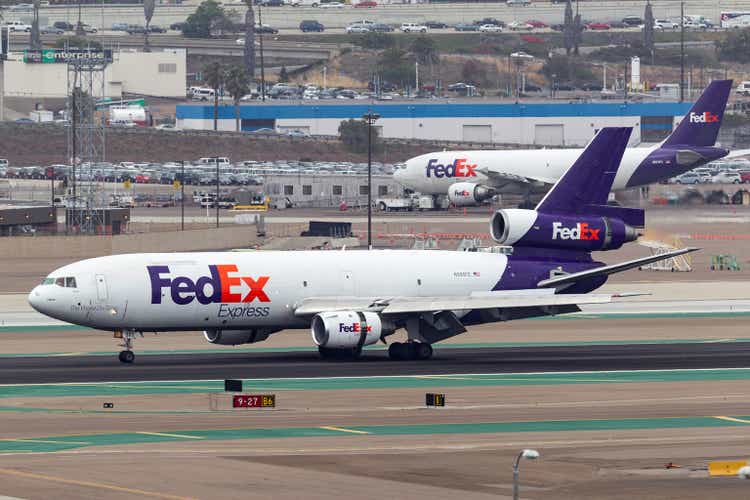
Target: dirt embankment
26	145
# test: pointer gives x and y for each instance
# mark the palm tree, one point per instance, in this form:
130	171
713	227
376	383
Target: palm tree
249	55
237	85
213	73
148	13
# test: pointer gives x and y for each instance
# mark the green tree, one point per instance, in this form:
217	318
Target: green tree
424	49
648	30
206	17
375	40
77	42
577	33
237	85
148	13
568	28
473	71
283	75
36	42
353	134
736	46
248	56
214	75
395	67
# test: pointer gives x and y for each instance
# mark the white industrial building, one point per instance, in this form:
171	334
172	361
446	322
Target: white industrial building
160	73
547	124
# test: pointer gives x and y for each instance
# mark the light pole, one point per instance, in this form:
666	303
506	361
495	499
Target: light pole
528	455
370	118
262	66
182	195
682	51
216	159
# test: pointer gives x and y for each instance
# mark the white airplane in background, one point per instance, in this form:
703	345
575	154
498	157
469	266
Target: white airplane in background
471	177
351	299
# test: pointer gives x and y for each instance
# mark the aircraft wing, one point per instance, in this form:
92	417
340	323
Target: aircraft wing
737	153
509	299
502	179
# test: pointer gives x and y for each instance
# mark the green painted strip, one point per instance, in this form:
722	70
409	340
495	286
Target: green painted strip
381	382
58	443
380	347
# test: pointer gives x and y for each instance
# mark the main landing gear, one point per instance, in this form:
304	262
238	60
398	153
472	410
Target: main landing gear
340	354
409	351
127	336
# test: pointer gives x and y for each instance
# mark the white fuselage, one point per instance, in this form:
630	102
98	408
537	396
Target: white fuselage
545	165
255	289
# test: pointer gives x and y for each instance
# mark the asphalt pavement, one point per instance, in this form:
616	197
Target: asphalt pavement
59	369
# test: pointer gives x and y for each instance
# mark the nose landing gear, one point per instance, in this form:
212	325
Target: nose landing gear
127	336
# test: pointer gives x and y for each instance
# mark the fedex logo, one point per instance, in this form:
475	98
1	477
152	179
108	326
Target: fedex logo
582	231
705	117
354	328
459	168
213	289
462	194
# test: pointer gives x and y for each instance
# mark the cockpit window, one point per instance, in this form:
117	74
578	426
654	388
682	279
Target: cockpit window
66	282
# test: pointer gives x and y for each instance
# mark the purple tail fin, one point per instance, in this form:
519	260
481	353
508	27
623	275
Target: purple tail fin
701	125
589	180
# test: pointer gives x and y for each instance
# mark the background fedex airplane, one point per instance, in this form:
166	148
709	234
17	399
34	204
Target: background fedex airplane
470	177
350	299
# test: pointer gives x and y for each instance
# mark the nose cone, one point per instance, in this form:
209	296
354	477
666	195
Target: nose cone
35	299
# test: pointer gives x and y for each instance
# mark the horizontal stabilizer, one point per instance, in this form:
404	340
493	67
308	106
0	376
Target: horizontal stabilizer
567	279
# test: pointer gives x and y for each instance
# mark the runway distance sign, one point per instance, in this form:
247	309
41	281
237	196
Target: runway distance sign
254	401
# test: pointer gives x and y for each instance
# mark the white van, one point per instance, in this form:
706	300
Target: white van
222	160
203	94
744	88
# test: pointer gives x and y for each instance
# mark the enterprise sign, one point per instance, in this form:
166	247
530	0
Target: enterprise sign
47	56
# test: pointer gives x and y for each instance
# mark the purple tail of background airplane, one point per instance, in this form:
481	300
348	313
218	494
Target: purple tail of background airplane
701	124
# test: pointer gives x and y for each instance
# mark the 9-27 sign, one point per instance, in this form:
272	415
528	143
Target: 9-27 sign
254	401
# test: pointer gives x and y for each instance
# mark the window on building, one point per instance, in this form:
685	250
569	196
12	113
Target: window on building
307	190
363	189
288	190
382	190
338	190
167	68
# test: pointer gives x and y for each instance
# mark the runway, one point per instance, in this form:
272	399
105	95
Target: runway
61	369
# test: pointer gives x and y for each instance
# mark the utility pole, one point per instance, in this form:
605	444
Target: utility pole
182	195
216	159
262	66
370	118
682	50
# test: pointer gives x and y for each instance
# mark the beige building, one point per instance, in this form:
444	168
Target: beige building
158	74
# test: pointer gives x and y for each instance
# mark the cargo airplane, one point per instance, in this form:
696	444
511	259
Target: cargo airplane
472	177
350	299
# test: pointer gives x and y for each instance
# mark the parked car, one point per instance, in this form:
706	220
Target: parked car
522	3
413	28
311	25
332	5
632	21
466	27
598	26
665	24
518	26
489	20
687	178
265	29
51	30
156	29
490	28
381	28
177	26
595	87
65	26
727	178
17	26
367	4
536	24
358	28
298	133
743	88
120	26
436	25
745	176
87	28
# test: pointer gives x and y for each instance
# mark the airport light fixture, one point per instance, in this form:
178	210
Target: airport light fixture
216	201
528	455
370	118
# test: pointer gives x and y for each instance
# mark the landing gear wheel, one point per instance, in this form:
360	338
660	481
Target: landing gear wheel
423	351
126	357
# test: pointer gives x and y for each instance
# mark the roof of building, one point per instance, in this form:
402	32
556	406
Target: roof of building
318	109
